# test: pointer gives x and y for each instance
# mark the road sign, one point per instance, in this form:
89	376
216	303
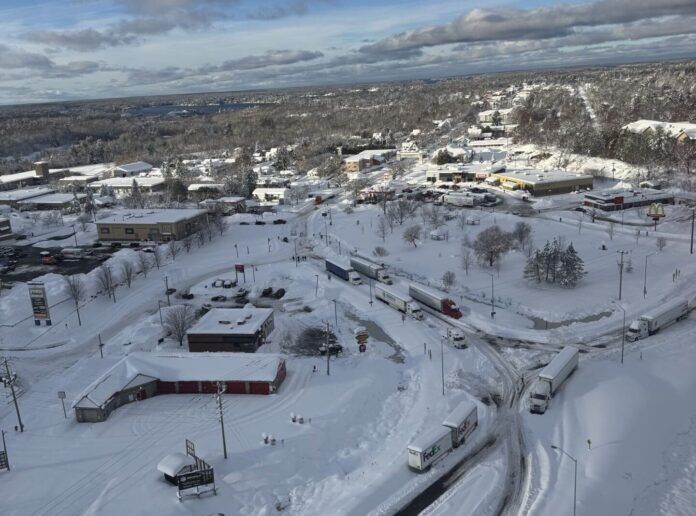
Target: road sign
39	304
362	348
239	267
61	395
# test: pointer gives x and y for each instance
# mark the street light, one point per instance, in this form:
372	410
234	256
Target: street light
575	481
645	276
335	312
492	296
159	307
623	334
316	289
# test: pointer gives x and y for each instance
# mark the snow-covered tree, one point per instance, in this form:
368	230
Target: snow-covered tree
491	244
571	269
248	183
449	278
534	268
412	234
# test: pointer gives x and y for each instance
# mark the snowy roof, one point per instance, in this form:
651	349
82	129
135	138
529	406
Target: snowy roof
81	179
18	176
671	128
459	414
87	170
172	464
369	154
231	200
554	367
55	198
141	367
541	177
24	193
644	193
127	182
232	321
152	216
428	438
272	191
136	167
212	186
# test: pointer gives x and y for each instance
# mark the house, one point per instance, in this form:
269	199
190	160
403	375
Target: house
410	150
489	116
224	205
13	197
151	225
123	186
5	229
367	159
538	182
65	202
142	375
616	200
683	131
132	169
271	194
76	182
206	187
231	329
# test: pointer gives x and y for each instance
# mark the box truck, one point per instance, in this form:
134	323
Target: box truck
402	302
434	300
551	378
429	447
462	421
343	271
651	322
371	269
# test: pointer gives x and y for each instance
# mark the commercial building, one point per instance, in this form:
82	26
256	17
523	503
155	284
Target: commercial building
12	198
123	186
271	194
151	225
76	182
65	202
132	169
539	183
224	205
367	159
615	200
140	375
38	176
231	329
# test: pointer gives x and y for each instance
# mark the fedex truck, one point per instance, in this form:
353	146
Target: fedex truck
551	378
462	421
402	302
653	321
429	448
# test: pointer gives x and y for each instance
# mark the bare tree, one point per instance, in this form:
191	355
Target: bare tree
637	233
491	244
174	249
158	256
610	230
467	260
380	251
178	320
412	234
83	219
461	220
402	210
220	224
105	278
144	262
436	216
522	233
75	286
187	242
382	227
661	243
449	278
200	237
128	272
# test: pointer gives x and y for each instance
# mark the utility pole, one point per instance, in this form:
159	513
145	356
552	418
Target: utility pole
166	286
492	295
442	355
4	447
693	216
621	267
9	380
575	481
316	288
220	390
297	258
335	313
236	250
645	276
328	354
101	344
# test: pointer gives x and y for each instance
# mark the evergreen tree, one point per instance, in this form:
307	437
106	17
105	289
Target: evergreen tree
535	266
90	207
136	197
248	183
572	268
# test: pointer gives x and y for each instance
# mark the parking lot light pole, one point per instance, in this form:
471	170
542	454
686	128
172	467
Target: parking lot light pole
575	480
166	286
159	307
623	332
645	276
492	296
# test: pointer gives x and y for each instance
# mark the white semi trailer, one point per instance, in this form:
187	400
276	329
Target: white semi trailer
656	319
402	302
462	421
429	447
551	378
371	269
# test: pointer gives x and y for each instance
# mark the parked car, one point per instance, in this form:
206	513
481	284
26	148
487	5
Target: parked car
187	295
266	292
170	291
218	298
218	283
279	221
228	283
243	223
260	223
278	293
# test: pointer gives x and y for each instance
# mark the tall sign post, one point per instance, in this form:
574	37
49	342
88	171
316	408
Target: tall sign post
240	268
656	211
39	304
61	397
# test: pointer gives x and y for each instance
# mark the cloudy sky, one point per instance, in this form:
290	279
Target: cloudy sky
73	49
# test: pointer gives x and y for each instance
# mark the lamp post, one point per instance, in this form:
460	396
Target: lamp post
316	288
645	276
492	296
575	479
623	332
159	307
335	312
166	286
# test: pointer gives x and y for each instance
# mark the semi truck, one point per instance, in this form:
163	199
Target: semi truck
462	421
343	271
371	269
434	300
551	378
429	447
653	321
458	199
402	302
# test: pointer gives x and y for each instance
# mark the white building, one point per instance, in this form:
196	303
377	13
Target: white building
123	186
486	117
271	194
132	169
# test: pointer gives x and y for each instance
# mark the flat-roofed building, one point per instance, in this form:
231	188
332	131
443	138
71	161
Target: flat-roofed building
65	202
615	200
538	182
231	329
132	169
151	225
123	186
14	197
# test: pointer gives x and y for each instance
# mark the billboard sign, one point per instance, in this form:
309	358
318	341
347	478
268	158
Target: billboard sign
39	304
239	267
195	479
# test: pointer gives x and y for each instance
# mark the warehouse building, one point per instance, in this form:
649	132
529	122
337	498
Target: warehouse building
132	169
151	225
123	186
12	198
615	200
64	202
231	329
224	205
539	183
140	375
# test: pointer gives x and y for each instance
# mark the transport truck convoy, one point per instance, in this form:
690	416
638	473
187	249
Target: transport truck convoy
402	302
653	321
434	300
436	442
371	269
343	271
551	378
